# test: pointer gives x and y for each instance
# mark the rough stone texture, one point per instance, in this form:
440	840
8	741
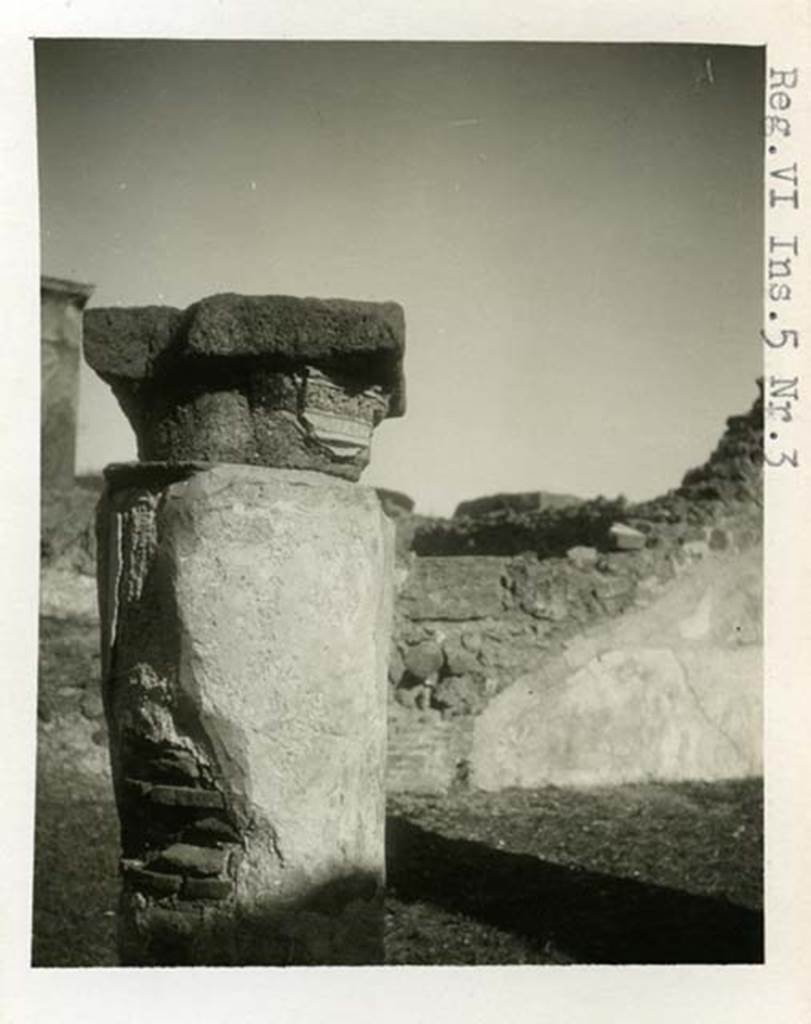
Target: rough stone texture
423	660
428	757
548	531
672	691
245	626
460	695
529	501
460	661
626	538
459	588
132	341
582	557
261	380
61	305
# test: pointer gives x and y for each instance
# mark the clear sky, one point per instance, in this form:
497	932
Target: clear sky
574	231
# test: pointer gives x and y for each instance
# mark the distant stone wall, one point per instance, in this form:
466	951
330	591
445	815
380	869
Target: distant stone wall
61	305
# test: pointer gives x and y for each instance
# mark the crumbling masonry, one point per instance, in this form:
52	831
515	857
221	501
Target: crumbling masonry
245	597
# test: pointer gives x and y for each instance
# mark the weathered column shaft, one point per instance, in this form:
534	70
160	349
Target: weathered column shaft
246	632
246	614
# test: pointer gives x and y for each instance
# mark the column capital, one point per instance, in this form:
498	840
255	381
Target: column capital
266	380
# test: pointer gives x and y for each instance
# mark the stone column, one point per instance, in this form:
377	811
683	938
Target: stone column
61	305
245	596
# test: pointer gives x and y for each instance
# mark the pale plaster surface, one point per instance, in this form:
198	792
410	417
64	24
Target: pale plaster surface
670	691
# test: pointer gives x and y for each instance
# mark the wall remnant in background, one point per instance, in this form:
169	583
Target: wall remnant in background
245	596
61	305
511	585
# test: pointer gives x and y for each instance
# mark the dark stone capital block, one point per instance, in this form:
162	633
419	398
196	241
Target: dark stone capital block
263	380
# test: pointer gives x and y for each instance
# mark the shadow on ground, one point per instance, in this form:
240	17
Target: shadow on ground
655	873
590	917
449	900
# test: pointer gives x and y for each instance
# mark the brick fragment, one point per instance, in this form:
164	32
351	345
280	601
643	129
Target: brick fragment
155	882
209	831
176	796
206	889
175	767
186	859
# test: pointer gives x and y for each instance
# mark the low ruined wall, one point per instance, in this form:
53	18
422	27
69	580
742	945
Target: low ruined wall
468	627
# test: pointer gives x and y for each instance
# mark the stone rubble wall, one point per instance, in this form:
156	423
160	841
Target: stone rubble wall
466	628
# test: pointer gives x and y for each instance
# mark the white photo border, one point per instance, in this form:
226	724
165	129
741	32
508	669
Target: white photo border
779	990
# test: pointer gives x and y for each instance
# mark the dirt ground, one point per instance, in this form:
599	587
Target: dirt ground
630	874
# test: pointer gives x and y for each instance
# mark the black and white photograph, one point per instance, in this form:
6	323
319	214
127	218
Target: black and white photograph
546	590
406	412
